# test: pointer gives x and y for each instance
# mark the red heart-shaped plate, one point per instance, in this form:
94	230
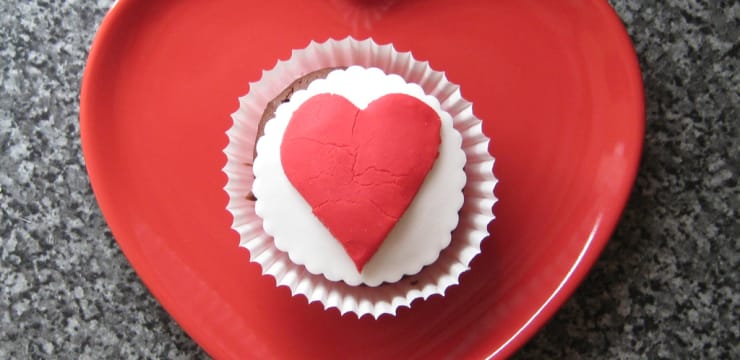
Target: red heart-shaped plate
556	83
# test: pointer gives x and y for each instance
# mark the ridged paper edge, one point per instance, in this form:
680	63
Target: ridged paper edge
475	215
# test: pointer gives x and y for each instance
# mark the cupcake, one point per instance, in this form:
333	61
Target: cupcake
358	177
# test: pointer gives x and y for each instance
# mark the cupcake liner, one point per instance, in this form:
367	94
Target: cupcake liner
475	215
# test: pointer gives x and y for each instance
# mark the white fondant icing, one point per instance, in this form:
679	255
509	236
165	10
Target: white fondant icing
422	232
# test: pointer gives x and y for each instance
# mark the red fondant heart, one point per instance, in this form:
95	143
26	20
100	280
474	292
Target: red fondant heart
360	169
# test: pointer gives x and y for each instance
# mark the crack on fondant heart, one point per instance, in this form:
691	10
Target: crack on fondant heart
359	170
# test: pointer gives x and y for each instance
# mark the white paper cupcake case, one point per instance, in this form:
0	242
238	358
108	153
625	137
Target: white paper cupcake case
475	215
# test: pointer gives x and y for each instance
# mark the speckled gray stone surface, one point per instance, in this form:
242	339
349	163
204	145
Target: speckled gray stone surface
665	287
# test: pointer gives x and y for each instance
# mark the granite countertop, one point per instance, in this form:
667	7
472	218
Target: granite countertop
665	287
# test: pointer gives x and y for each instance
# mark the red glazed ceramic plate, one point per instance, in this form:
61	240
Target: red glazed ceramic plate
556	83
